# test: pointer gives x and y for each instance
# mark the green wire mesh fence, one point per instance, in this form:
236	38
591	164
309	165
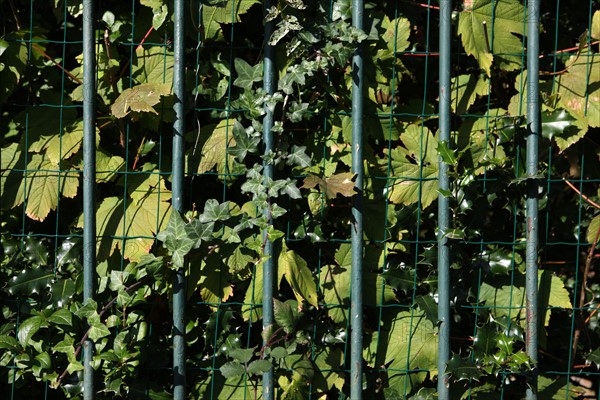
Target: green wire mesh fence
267	181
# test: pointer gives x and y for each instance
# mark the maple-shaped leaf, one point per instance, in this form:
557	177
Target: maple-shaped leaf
465	89
130	223
409	344
489	29
579	88
220	12
213	153
414	168
153	65
140	98
342	184
397	33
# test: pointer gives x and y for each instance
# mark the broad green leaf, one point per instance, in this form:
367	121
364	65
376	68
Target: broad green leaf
593	230
505	300
9	343
30	281
175	238
329	363
342	184
414	168
408	342
215	286
557	388
241	355
253	300
336	288
503	20
247	74
214	149
154	65
595	32
297	274
285	314
61	317
213	211
107	166
223	12
140	98
232	369
43	181
396	33
28	328
465	89
136	219
258	367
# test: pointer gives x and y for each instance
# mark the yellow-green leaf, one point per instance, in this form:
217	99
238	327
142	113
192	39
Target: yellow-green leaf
301	280
140	98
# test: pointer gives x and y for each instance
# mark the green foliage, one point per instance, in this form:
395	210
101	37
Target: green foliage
301	214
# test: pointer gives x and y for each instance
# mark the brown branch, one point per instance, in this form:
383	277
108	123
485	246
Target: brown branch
69	74
583	196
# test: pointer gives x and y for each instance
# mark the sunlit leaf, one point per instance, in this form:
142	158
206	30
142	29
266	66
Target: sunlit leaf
140	98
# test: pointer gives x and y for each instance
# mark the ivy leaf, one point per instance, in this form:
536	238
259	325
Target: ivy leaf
140	98
465	89
415	168
30	281
297	112
298	157
244	143
296	272
199	231
175	238
98	330
28	328
247	74
508	22
463	368
336	184
213	211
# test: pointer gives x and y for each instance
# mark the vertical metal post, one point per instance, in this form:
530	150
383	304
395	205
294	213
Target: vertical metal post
356	308
269	84
443	204
89	179
177	196
533	132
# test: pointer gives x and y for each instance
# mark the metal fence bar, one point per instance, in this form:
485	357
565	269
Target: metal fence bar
533	132
443	202
177	196
269	84
356	308
89	179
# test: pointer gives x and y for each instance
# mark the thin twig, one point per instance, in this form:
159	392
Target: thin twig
583	196
69	74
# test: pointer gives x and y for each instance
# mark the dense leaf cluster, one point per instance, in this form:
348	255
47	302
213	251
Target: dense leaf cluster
236	210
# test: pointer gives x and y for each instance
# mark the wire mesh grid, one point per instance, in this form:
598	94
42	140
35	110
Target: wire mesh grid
308	346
